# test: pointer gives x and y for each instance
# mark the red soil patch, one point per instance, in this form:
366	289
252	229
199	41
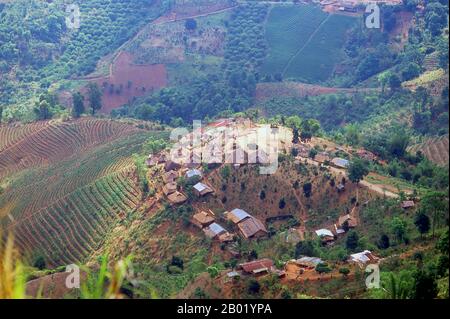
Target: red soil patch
128	81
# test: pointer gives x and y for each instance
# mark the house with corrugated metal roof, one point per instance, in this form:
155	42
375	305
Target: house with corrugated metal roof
237	215
325	234
252	228
308	262
257	267
249	226
215	231
193	173
340	162
201	189
364	258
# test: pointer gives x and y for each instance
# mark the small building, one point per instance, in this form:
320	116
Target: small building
171	166
367	155
215	231
364	258
170	177
201	189
236	215
308	262
169	188
232	275
177	198
340	187
257	267
252	228
193	173
351	221
406	204
202	219
325	234
322	157
249	226
340	162
338	230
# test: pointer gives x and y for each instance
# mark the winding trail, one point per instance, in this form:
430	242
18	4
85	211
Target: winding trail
375	188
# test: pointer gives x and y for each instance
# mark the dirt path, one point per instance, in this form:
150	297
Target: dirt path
376	188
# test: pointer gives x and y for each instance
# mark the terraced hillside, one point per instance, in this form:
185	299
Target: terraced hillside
66	184
47	143
304	42
435	149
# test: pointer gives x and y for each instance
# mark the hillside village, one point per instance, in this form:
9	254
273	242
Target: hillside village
222	149
184	179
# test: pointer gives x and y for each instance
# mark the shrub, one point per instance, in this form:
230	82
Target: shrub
253	287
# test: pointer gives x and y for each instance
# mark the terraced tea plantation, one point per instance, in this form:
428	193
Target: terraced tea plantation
304	42
65	185
435	149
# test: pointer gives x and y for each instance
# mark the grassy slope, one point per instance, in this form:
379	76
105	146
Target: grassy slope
304	42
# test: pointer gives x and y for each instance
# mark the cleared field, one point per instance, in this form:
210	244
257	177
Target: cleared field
128	80
435	149
79	182
304	42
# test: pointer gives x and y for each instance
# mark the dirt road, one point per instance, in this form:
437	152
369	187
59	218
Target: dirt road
338	171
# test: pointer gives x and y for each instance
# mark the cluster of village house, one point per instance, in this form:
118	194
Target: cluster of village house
232	141
352	6
249	226
303	265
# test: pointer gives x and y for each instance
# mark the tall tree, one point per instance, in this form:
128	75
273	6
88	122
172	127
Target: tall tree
78	105
352	240
95	97
425	285
398	227
422	222
357	169
437	204
42	110
394	82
